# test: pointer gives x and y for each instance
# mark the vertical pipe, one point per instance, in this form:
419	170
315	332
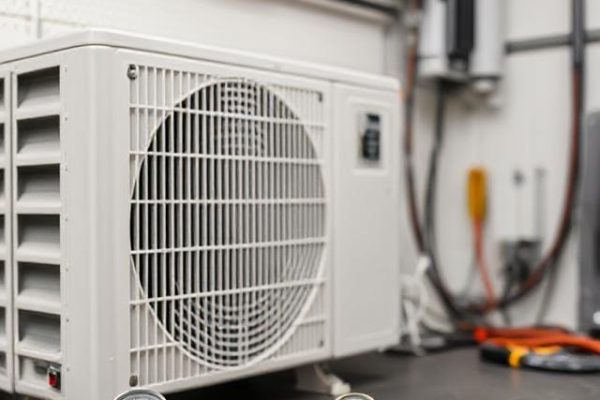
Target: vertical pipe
487	59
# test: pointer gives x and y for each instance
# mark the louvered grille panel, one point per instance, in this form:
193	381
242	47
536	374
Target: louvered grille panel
227	223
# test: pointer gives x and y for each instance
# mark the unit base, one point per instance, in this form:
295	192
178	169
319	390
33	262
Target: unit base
315	378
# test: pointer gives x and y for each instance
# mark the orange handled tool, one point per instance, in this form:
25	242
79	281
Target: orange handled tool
477	204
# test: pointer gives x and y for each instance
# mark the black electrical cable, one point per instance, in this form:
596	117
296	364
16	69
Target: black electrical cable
409	99
509	282
430	191
547	295
429	227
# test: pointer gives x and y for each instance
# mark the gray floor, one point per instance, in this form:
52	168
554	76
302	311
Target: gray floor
453	375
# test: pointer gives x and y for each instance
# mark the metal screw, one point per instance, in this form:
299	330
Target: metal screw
133	380
132	72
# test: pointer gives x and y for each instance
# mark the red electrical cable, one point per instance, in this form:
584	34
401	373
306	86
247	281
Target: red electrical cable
484	270
562	234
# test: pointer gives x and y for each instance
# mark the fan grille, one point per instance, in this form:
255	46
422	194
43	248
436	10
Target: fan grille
227	223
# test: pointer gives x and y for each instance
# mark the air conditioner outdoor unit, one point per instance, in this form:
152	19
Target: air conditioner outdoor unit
176	215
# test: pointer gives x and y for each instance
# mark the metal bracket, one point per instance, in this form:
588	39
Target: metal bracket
316	378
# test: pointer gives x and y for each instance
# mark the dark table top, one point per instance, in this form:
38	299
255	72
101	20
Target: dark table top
457	374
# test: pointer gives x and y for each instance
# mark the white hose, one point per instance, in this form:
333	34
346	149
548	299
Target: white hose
415	311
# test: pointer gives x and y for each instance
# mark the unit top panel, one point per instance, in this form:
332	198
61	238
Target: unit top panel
123	40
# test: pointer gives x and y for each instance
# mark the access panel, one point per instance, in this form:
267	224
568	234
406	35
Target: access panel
367	218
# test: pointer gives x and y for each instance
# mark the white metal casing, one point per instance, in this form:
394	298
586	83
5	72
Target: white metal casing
72	109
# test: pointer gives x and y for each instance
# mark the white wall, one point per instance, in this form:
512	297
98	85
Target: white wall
288	28
525	126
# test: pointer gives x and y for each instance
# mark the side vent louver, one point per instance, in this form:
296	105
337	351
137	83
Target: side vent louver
38	141
5	276
38	93
36	231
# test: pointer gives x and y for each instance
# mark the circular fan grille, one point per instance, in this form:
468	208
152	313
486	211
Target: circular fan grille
227	223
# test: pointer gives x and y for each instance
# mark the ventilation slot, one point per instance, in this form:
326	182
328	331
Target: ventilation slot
39	238
3	289
2	193
2	146
39	189
2	101
35	373
3	248
38	141
4	295
3	339
39	288
38	349
39	335
38	93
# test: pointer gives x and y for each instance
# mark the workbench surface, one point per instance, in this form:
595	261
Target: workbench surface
458	374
